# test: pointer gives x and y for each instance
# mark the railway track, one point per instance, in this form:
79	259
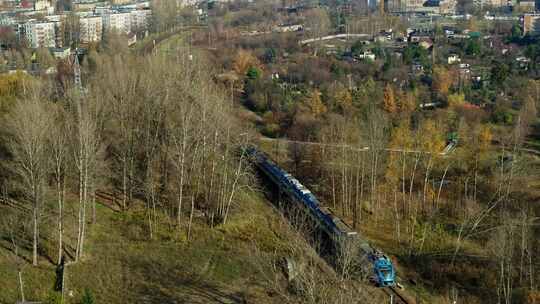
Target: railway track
397	296
384	273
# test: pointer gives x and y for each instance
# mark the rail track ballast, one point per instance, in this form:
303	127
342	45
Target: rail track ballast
341	237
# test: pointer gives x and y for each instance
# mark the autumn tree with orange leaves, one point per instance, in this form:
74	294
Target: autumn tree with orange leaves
402	139
315	103
245	60
389	99
431	137
406	102
442	80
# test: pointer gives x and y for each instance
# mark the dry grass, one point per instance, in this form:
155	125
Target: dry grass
123	266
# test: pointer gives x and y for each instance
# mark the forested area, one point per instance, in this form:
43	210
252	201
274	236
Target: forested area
151	130
152	144
370	138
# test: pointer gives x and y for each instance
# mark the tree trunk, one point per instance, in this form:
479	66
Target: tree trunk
80	216
60	196
233	188
36	237
21	285
181	189
191	218
124	183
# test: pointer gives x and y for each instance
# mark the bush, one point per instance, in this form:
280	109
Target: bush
253	73
503	117
271	130
88	297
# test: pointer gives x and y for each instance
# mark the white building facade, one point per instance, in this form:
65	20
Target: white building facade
140	19
120	22
91	29
40	34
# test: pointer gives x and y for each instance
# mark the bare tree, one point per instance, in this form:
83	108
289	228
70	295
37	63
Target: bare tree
122	87
58	143
29	128
85	120
318	23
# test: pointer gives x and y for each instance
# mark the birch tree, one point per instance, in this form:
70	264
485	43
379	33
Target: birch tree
85	115
29	125
58	143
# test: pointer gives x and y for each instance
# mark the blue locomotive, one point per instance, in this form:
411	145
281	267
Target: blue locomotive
383	272
385	275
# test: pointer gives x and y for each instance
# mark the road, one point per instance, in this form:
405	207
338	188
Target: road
366	148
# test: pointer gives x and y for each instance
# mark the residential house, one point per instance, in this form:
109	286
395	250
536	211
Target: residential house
367	55
426	44
288	28
453	58
61	53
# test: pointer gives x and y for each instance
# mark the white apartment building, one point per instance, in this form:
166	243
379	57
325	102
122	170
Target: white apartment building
140	19
91	29
7	19
120	22
184	3
413	5
40	34
44	5
493	3
527	6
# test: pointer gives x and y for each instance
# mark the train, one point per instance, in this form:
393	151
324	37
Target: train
382	270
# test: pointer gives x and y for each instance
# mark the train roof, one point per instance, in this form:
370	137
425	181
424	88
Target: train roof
328	216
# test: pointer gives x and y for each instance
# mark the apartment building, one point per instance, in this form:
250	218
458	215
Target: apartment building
46	6
117	21
91	29
531	24
527	6
412	5
40	34
140	19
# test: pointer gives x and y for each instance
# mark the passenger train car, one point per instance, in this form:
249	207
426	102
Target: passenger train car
342	235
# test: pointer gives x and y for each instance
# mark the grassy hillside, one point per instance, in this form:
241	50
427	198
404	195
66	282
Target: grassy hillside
234	263
122	266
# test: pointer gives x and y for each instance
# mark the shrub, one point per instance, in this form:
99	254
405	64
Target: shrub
253	73
88	297
503	117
